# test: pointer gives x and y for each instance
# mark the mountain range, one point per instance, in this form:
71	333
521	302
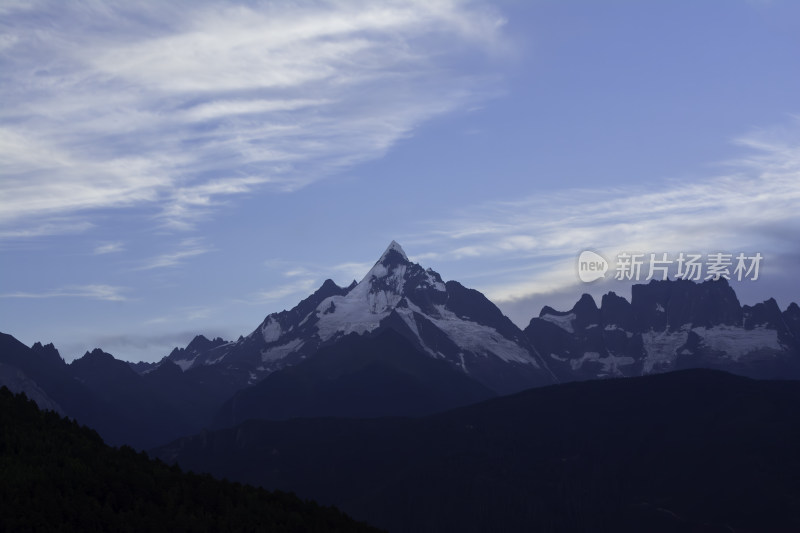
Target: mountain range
669	325
402	342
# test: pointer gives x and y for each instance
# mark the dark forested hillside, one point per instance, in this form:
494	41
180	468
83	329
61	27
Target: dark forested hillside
58	476
695	450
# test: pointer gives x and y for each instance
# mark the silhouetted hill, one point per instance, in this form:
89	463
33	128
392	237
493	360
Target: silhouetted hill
58	476
139	414
694	450
50	374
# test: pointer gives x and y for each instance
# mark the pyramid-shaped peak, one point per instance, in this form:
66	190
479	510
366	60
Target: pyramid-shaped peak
393	257
393	247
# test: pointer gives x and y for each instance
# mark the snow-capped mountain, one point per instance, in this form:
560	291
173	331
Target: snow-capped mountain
669	325
403	342
444	320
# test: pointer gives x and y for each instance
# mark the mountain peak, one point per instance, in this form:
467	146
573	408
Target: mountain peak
393	258
98	354
393	247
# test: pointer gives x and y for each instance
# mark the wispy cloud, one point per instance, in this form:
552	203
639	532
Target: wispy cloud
301	279
137	346
182	315
109	248
351	271
540	237
185	249
297	271
174	106
301	286
52	226
92	292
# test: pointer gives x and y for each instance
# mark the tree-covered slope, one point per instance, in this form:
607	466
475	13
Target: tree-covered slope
695	450
59	476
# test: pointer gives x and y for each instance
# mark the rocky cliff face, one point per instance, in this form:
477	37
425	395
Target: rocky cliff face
669	325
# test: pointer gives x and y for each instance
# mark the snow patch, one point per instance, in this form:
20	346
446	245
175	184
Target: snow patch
612	327
407	315
463	364
377	271
279	352
562	321
362	309
662	349
434	283
480	339
271	331
185	364
736	342
611	363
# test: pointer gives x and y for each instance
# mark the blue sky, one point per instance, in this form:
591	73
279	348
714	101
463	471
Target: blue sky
169	169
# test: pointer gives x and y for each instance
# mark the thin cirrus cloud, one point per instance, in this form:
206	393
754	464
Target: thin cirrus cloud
298	286
171	107
182	314
54	226
109	248
300	280
92	292
535	245
185	249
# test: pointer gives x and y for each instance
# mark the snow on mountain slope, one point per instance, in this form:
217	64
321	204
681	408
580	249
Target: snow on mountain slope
669	325
396	294
200	347
736	342
662	349
16	381
562	321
